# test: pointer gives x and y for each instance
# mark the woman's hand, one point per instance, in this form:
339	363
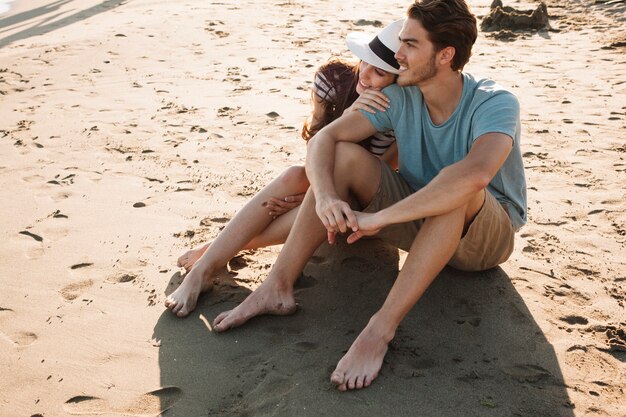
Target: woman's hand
369	101
277	206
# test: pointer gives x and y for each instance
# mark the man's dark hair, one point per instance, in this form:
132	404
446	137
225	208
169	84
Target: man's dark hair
448	23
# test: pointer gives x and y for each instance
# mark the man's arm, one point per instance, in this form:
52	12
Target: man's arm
452	188
320	161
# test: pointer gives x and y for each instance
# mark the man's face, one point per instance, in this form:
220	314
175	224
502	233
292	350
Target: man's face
416	56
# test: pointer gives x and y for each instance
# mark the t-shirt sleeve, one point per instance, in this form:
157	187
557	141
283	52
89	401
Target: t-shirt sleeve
382	120
498	114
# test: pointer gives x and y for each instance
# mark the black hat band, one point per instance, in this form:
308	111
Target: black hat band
383	52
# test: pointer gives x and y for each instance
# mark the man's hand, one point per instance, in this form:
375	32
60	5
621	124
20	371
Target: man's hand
336	215
368	225
277	206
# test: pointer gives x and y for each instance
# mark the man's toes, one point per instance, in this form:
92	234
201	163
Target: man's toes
337	377
351	383
367	381
228	322
359	382
219	319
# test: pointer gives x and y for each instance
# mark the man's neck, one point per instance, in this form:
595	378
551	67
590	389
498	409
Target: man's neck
442	95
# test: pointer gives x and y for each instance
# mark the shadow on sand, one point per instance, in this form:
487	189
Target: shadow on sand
469	348
45	19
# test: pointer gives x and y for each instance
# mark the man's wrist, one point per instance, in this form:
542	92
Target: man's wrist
381	219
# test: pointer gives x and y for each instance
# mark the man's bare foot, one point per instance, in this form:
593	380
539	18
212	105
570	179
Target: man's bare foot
360	366
184	299
266	299
189	258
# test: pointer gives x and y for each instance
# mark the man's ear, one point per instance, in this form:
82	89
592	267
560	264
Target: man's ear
446	55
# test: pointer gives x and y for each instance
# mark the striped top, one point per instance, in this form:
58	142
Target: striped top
324	89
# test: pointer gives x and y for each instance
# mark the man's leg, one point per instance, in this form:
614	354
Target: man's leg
357	172
432	248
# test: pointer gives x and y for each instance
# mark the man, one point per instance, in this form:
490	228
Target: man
458	198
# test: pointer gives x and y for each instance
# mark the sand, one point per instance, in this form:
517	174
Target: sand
133	130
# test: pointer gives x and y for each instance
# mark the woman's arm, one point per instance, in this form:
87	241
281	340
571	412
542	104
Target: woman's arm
370	101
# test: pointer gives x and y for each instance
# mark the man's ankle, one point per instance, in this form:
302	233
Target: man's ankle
280	285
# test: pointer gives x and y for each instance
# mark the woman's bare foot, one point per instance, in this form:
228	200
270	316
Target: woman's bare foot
184	299
360	366
267	299
189	258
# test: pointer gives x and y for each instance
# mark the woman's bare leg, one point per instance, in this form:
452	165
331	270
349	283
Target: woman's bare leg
274	234
189	258
245	229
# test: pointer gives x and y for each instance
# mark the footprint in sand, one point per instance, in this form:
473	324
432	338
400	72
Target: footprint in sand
317	259
411	367
121	278
466	312
152	403
305	281
616	342
33	178
21	339
60	196
527	373
358	264
573	319
73	290
35	247
81	265
33	235
305	346
208	221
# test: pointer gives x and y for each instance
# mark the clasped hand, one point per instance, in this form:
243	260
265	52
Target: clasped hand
338	217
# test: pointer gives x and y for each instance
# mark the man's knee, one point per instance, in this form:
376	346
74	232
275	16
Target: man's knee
473	207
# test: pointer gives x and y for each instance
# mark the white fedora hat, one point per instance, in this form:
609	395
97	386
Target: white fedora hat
380	50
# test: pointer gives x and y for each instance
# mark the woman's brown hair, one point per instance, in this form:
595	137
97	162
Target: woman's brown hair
340	94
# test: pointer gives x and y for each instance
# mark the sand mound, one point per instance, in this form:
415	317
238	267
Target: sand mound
503	18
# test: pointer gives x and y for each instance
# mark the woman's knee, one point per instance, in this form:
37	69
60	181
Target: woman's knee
294	178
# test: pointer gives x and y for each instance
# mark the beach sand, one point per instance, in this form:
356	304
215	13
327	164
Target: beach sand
131	131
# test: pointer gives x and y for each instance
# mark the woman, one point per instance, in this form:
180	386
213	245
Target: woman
266	220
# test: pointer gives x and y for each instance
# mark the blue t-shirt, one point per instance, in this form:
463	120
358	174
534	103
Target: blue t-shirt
424	148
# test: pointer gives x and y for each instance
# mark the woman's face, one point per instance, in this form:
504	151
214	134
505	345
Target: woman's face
373	77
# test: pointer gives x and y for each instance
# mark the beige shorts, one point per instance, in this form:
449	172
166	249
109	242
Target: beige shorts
488	241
